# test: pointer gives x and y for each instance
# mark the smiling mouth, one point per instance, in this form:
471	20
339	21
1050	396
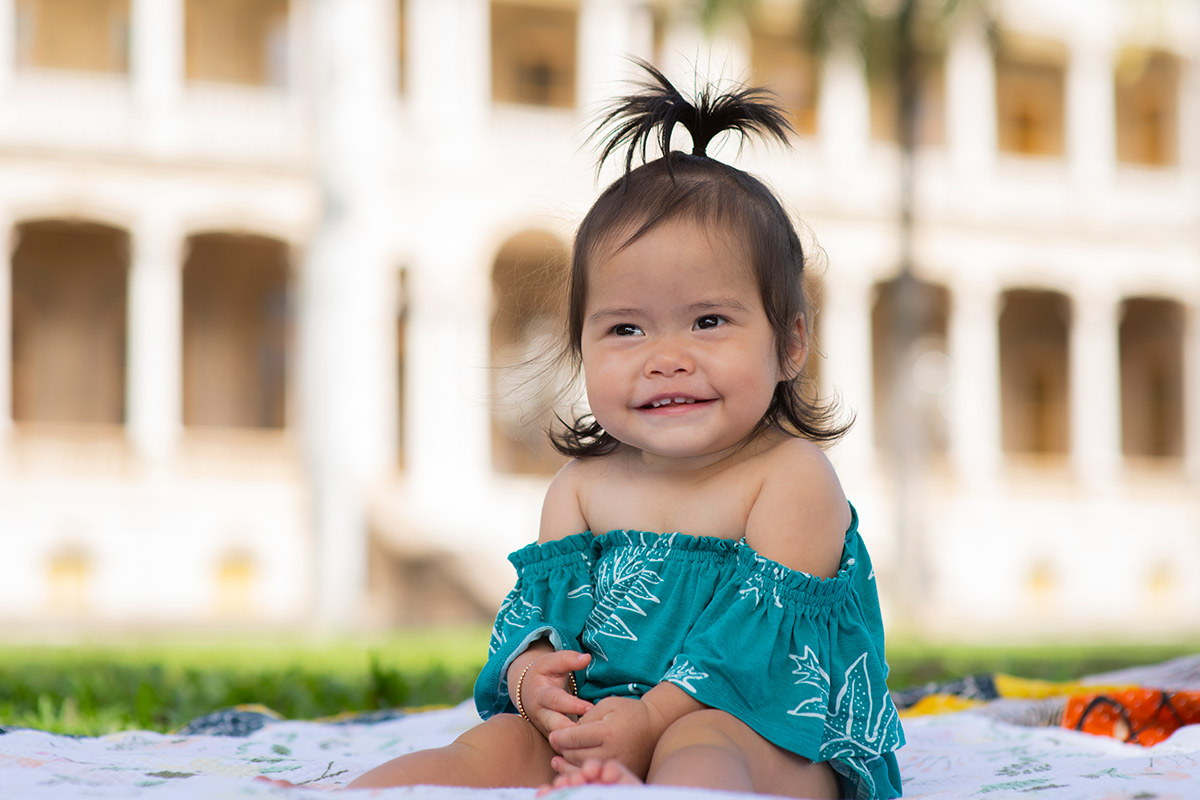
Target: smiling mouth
668	402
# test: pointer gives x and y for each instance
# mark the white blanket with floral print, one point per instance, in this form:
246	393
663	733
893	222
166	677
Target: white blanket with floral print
970	754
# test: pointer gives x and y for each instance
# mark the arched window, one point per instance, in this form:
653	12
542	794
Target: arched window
69	285
534	52
1030	97
1034	335
778	61
236	331
79	35
1147	96
237	41
1152	333
526	280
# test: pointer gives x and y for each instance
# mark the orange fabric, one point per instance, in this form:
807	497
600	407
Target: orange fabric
1138	716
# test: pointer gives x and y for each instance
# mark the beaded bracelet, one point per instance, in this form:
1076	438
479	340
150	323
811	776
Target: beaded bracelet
521	681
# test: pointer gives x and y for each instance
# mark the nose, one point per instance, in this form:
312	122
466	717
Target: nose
668	359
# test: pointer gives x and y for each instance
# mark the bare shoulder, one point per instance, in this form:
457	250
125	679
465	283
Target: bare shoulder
801	514
562	508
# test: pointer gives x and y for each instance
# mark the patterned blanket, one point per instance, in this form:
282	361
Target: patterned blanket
995	749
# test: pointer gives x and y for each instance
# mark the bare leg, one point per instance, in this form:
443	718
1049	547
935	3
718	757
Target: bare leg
715	750
503	751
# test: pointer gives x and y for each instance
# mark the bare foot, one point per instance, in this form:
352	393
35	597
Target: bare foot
607	772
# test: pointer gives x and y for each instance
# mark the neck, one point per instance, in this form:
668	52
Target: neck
700	466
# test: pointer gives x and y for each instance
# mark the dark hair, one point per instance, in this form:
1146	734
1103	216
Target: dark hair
712	194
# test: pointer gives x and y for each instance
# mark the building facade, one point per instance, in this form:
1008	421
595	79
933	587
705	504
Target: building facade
270	263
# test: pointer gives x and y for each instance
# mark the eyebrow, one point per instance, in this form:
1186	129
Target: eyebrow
715	304
611	313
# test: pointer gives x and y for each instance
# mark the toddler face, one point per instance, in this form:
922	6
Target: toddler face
678	354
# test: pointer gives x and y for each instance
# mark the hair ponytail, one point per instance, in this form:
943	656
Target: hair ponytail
651	114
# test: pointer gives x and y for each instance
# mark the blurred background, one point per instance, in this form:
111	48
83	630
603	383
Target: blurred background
267	262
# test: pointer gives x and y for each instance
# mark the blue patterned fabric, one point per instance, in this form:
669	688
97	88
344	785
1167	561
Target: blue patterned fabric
798	658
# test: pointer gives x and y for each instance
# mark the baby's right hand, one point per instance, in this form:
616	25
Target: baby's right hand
544	695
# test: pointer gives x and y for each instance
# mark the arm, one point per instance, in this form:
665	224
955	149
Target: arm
562	514
537	677
547	608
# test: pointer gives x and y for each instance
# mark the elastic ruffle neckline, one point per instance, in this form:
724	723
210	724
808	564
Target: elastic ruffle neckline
756	571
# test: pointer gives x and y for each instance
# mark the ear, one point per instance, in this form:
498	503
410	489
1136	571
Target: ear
797	348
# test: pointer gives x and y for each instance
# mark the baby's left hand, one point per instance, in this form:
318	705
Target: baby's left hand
620	728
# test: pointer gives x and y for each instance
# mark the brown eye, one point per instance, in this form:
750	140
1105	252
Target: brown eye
625	329
709	321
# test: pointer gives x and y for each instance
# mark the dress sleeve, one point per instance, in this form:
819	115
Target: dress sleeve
551	599
800	660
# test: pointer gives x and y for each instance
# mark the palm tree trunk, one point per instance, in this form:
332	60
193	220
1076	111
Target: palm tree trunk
906	421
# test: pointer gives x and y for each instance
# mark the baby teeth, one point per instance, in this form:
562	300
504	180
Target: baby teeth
669	401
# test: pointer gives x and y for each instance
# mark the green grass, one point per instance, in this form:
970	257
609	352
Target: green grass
96	688
914	663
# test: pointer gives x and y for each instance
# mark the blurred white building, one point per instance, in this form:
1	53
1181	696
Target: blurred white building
265	257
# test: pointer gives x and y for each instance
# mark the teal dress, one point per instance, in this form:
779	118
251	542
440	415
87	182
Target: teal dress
797	658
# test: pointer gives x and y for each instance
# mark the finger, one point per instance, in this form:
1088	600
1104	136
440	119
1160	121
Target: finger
563	661
581	758
564	702
593	715
577	737
557	709
553	721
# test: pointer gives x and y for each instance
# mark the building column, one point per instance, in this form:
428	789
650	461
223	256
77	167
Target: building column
155	338
452	118
449	419
301	37
8	245
686	46
609	32
1189	116
156	67
8	43
971	101
1095	386
846	342
346	323
1191	393
974	345
1091	124
844	112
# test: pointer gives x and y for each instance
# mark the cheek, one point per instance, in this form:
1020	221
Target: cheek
597	383
603	403
760	377
600	364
